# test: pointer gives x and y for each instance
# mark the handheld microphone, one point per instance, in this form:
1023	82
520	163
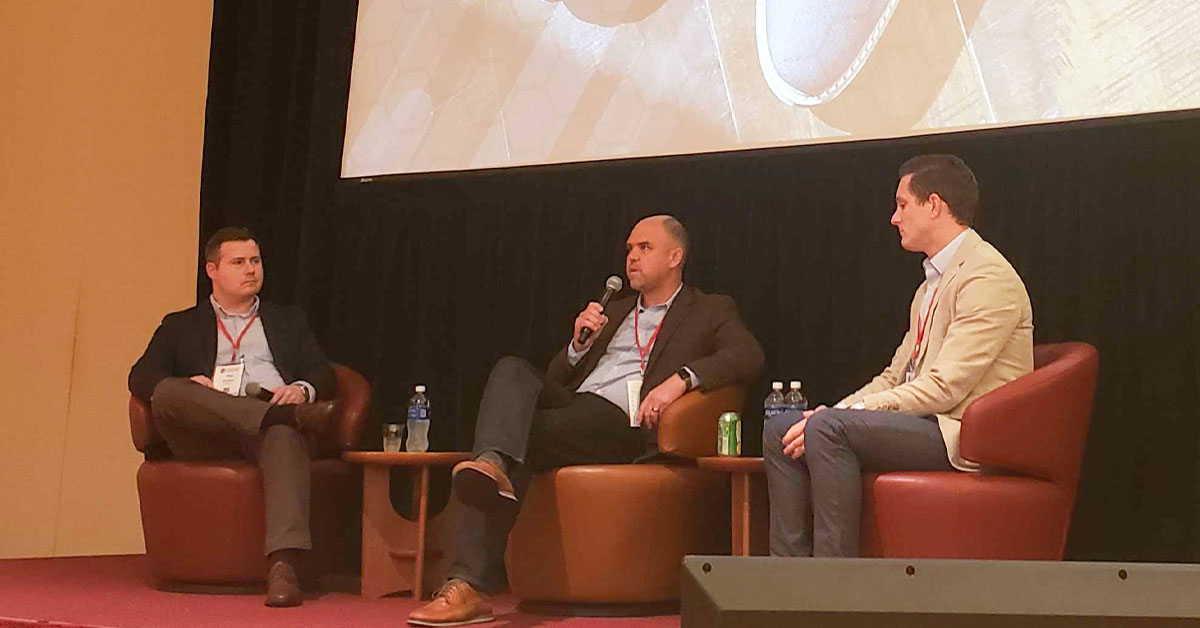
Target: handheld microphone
611	287
254	389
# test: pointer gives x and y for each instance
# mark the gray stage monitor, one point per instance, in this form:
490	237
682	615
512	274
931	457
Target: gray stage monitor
760	592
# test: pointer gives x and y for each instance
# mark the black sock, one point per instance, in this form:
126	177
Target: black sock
280	415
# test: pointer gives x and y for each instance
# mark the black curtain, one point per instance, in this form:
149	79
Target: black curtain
430	278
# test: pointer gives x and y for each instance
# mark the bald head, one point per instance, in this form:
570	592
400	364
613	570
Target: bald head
654	254
673	228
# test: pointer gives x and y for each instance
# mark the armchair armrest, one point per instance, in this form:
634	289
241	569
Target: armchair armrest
688	427
354	403
140	425
1036	424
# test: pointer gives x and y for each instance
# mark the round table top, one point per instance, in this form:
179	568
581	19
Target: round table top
731	464
407	458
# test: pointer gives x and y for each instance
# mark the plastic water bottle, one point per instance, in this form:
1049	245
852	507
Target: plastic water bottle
774	403
418	422
794	399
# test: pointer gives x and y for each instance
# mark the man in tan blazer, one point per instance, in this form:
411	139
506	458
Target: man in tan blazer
970	331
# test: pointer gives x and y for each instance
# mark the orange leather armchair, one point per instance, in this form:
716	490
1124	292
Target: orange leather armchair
1030	435
617	533
203	521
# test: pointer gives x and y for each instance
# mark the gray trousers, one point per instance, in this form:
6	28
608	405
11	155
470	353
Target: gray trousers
534	425
200	423
815	501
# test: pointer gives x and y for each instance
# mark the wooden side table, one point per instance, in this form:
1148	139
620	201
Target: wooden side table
395	550
747	504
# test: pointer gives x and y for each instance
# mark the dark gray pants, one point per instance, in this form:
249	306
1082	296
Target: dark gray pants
815	501
200	423
534	425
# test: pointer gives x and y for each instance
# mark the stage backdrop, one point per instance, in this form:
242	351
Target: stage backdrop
102	119
430	278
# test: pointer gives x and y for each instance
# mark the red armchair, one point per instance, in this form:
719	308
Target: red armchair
1030	434
203	521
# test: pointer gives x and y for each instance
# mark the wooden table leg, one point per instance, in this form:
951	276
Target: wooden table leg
400	554
739	506
382	530
422	499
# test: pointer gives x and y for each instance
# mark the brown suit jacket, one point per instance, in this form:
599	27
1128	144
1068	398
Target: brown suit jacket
701	331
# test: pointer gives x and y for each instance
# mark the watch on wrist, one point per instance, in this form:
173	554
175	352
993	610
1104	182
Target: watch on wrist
687	379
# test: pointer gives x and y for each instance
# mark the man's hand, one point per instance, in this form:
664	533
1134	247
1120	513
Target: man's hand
658	399
288	395
203	380
592	317
793	439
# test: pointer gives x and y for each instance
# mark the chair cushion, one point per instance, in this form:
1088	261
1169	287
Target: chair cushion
615	533
952	514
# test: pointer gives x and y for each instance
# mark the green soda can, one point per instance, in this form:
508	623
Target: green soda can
729	435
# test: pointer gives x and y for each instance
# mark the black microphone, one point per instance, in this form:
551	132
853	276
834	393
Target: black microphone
611	287
254	389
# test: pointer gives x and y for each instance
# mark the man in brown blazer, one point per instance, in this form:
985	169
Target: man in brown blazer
598	402
970	332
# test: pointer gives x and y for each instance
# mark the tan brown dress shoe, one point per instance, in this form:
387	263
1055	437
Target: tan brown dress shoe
283	587
481	484
455	604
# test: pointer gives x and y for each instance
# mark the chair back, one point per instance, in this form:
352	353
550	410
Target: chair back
1037	424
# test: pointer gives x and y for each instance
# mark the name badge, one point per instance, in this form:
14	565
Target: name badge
227	378
634	386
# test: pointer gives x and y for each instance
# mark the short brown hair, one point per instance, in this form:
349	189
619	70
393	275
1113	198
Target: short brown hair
949	178
212	248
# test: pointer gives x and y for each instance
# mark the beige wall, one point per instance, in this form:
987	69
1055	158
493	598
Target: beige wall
101	132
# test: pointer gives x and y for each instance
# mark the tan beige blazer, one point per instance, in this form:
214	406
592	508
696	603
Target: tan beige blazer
980	337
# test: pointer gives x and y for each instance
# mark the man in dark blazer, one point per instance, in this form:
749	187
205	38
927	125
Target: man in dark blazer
237	339
598	402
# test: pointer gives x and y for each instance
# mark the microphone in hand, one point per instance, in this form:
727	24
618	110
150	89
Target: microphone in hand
611	287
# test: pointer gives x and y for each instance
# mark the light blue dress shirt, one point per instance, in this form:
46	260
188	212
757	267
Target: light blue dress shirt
621	361
254	350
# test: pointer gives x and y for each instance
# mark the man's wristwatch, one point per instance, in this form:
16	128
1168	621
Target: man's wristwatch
687	379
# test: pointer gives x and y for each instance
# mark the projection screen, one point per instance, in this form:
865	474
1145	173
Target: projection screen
462	84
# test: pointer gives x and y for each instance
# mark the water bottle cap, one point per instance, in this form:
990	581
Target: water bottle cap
420	388
777	385
796	384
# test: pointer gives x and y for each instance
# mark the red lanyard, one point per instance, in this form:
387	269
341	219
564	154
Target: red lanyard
921	321
236	343
643	352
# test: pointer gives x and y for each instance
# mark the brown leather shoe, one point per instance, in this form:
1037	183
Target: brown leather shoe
283	588
455	604
481	484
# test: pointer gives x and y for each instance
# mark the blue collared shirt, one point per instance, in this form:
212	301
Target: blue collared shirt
254	350
621	361
936	266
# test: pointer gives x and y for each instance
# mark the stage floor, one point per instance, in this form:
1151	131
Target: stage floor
117	592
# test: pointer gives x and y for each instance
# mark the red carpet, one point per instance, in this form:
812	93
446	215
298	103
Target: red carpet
117	592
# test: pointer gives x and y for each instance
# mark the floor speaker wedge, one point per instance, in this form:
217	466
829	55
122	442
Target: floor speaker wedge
759	592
